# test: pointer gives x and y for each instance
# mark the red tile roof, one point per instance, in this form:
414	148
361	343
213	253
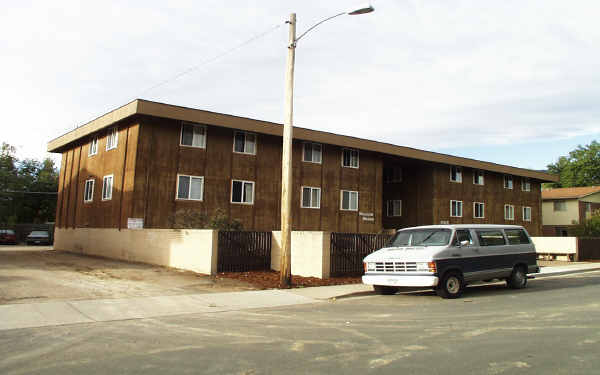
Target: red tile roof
570	193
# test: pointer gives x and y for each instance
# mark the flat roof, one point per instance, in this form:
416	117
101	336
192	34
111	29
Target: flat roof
150	108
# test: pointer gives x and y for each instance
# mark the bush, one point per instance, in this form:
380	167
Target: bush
193	219
589	228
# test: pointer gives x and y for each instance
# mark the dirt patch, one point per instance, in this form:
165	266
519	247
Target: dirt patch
39	274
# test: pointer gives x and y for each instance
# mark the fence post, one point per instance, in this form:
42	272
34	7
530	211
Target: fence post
326	254
214	258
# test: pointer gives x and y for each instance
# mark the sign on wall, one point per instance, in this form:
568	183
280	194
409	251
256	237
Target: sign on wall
135	223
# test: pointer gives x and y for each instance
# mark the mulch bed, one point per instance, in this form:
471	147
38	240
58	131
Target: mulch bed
270	279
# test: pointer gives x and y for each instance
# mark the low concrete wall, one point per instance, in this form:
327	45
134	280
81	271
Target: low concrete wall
560	248
310	253
194	250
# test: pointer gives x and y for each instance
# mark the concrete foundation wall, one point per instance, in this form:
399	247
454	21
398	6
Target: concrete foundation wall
555	245
310	253
194	250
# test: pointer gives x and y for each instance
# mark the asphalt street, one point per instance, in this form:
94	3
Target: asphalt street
552	327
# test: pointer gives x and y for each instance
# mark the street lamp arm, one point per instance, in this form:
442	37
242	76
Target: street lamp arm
317	24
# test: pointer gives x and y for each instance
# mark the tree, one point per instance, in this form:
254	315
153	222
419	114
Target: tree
589	228
580	168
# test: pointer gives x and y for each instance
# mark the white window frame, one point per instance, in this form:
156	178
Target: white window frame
512	212
475	210
93	147
526	208
458	174
189	194
351	192
91	190
243	191
312	145
478	173
357	158
458	204
318	206
107	197
525	184
112	134
508	182
246	134
392	178
391	205
194	127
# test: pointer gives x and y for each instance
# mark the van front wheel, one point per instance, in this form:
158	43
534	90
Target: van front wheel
451	285
384	290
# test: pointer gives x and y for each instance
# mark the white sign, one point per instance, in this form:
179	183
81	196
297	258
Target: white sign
368	218
365	214
444	222
135	223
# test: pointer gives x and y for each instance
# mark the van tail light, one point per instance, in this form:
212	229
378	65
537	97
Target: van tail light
365	266
432	267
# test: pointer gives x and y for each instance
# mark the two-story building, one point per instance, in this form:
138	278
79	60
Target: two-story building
565	207
145	162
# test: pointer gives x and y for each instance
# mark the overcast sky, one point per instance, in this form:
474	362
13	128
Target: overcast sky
511	82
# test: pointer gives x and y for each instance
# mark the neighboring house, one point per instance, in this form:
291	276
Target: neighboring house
565	207
145	161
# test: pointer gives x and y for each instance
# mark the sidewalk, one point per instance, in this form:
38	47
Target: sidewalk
90	311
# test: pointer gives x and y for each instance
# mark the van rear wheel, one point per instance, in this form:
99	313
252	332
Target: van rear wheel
451	285
385	290
518	278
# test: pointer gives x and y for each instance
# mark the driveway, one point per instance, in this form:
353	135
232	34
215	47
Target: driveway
38	273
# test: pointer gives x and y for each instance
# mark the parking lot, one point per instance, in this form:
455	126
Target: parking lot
39	274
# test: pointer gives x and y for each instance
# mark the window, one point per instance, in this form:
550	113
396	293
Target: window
193	135
394	208
508	182
588	207
112	139
88	193
242	192
526	213
516	236
311	152
560	206
525	184
311	197
478	210
463	235
190	187
93	148
244	143
392	174
477	177
455	174
490	238
509	212
107	185
349	158
349	200
456	208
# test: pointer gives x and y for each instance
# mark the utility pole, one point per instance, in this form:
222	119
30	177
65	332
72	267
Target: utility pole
286	163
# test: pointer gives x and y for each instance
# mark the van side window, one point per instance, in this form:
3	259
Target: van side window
490	237
516	236
463	235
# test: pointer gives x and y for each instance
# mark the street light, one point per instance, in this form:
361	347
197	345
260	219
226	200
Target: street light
286	160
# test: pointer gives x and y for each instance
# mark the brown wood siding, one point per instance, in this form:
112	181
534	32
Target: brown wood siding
77	167
492	194
218	164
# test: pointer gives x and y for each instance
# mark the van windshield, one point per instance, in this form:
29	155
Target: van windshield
421	237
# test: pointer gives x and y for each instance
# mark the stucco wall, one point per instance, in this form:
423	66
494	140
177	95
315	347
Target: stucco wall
310	253
194	250
551	217
555	245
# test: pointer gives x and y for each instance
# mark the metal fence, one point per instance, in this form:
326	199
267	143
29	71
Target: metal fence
588	249
244	251
349	249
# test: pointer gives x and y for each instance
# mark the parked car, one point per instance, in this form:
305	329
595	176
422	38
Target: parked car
8	237
448	257
38	237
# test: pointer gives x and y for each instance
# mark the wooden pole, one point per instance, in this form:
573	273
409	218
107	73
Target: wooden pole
286	162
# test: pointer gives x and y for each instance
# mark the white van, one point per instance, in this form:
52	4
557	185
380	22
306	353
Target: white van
448	257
